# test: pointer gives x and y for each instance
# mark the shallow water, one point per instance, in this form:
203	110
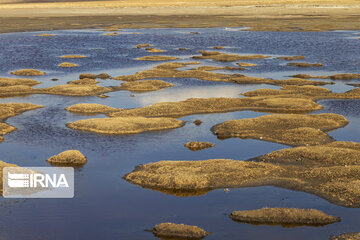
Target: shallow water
106	206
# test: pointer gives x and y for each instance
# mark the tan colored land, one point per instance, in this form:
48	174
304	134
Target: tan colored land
346	236
289	129
178	231
276	15
70	157
284	216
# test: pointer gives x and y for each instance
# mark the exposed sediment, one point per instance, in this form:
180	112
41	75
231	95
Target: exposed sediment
178	231
289	129
125	125
284	216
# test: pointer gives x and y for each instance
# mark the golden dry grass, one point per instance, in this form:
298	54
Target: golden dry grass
332	154
70	157
73	56
304	65
125	125
84	81
5	82
337	184
290	58
68	65
178	231
28	72
196	146
284	216
156	58
289	129
170	70
45	35
12	109
144	86
154	50
224	57
346	236
90	108
244	64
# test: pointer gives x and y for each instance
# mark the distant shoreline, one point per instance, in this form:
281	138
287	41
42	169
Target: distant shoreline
301	16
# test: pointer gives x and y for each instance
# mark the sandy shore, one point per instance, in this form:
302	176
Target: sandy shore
278	15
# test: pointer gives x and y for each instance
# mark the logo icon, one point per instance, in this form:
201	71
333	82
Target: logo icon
38	182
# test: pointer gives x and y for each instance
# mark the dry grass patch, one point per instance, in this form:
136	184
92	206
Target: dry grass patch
224	57
244	64
196	146
289	129
217	105
304	65
84	81
170	70
143	45
284	216
125	125
28	72
332	154
90	108
337	184
94	76
70	157
68	65
178	231
291	58
73	56
154	50
45	35
347	236
110	34
6	82
144	86
156	58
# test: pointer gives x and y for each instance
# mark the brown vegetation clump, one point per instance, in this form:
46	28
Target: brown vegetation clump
346	236
74	90
197	122
6	82
310	92
125	125
309	76
70	157
244	64
284	216
154	50
156	58
196	146
73	56
94	76
144	86
182	49
224	57
110	34
289	129
332	154
217	105
291	58
300	64
218	47
337	184
28	72
143	45
45	35
84	81
67	65
10	110
90	108
345	76
178	231
170	70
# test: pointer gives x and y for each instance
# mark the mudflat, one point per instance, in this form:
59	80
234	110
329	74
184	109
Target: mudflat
277	15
